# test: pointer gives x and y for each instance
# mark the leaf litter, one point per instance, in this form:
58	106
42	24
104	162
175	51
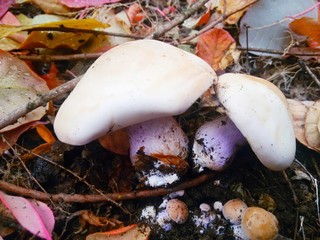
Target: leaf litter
245	179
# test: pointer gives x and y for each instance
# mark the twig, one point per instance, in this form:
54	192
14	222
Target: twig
50	58
180	18
214	23
79	198
40	100
316	54
308	70
295	198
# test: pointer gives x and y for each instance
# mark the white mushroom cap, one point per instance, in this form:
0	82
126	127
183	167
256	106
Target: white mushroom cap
259	224
131	83
259	110
233	210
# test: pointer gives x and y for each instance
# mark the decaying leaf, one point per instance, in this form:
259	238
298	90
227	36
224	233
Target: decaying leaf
35	216
52	6
131	232
5	4
299	111
308	27
102	223
18	86
117	142
218	48
86	3
312	125
55	39
10	137
228	6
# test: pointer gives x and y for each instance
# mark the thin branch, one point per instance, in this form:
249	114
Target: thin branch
50	58
40	100
79	198
214	23
180	18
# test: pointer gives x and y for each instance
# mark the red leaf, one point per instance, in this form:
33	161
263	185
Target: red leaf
213	46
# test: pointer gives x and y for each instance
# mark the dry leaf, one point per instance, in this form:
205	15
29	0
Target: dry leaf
308	27
132	232
135	13
216	47
45	133
228	6
52	6
312	125
103	223
117	142
86	3
18	86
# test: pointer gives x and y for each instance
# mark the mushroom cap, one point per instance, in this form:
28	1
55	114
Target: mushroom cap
233	210
260	111
131	83
177	210
259	224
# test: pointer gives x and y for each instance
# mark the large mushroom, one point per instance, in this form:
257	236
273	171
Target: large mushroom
129	84
259	110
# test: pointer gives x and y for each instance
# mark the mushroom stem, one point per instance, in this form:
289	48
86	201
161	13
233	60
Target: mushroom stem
158	149
216	143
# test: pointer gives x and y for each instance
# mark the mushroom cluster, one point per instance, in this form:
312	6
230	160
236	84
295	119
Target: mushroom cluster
252	223
140	85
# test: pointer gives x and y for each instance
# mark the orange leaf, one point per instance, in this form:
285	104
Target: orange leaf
9	138
45	133
39	150
214	47
204	19
135	13
134	231
306	26
51	77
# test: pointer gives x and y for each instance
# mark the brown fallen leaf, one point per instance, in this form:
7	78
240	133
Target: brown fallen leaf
229	6
117	142
131	232
218	48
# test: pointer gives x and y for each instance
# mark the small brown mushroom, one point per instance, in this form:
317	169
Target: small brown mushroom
259	224
233	210
177	210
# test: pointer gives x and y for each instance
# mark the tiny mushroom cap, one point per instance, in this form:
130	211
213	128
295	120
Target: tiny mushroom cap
132	83
259	224
177	210
233	210
260	111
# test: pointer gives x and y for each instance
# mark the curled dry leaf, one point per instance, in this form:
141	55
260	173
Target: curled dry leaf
229	6
312	125
299	111
217	47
